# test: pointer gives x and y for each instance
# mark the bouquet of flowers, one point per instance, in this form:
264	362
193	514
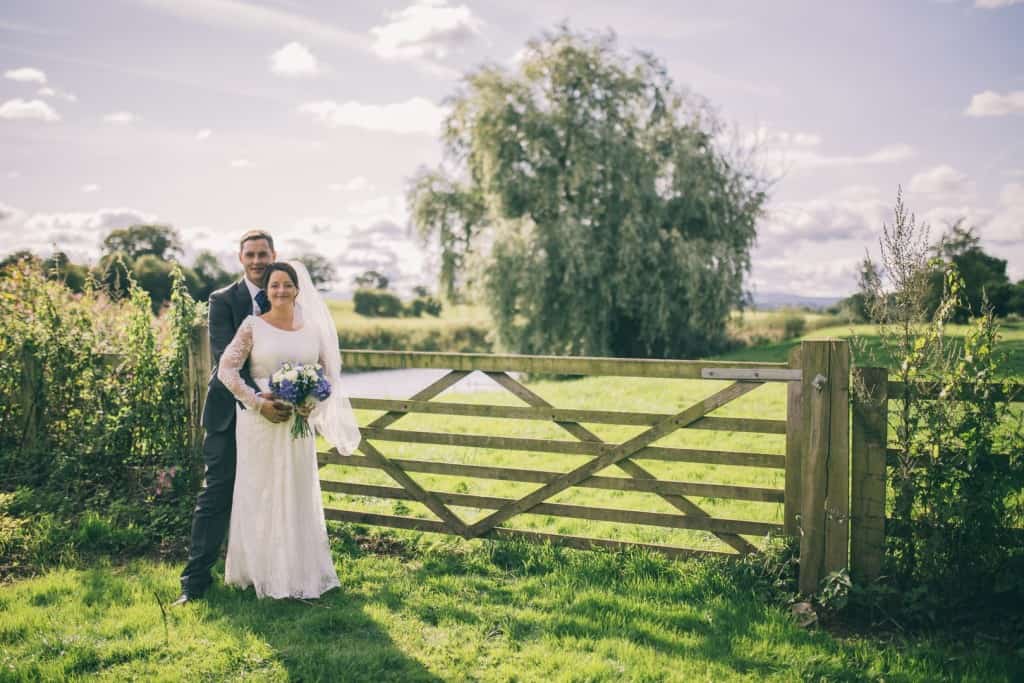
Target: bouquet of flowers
300	384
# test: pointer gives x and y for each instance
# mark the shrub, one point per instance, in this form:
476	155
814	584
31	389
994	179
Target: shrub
953	539
377	303
107	426
793	326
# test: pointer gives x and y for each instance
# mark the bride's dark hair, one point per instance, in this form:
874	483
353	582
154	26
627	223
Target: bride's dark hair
282	266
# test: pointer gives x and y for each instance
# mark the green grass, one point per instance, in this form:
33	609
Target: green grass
459	612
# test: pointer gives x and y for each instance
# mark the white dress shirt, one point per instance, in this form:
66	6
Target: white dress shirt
253	291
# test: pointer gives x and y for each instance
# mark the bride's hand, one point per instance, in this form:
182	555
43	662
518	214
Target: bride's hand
274	409
305	409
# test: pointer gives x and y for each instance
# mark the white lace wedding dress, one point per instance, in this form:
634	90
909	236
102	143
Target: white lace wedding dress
277	541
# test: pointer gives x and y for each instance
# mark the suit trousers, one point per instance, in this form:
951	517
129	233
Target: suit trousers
212	515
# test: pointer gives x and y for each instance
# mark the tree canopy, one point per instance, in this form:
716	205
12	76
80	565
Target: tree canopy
161	241
595	201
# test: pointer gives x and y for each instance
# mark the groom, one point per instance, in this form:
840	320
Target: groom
228	308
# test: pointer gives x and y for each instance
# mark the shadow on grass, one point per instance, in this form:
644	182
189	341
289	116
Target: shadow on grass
329	639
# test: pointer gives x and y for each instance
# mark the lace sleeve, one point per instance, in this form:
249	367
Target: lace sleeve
230	365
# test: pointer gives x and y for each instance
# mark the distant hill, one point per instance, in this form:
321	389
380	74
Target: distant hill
771	300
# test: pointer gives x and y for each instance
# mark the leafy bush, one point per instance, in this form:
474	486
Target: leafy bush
377	303
794	326
462	338
954	539
111	412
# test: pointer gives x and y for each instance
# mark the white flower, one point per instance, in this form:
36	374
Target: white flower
291	375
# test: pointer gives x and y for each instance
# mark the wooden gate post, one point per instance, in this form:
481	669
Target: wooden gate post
795	443
825	479
870	438
197	376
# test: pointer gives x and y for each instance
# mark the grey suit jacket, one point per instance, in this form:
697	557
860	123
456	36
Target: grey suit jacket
228	308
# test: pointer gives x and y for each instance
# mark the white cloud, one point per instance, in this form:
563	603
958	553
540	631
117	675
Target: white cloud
991	103
812	270
14	174
203	134
822	220
26	75
294	59
241	163
1007	225
942	181
91	187
51	92
426	29
121	118
416	115
996	4
77	233
28	110
357	184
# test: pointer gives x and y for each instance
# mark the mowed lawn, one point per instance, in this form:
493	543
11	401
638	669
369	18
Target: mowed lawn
427	607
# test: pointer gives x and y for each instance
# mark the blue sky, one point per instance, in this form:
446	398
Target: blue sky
307	117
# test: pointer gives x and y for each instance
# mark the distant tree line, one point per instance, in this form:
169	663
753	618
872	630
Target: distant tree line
984	280
146	254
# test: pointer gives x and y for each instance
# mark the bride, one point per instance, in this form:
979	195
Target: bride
277	541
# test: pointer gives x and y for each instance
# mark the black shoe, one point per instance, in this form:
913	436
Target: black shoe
186	598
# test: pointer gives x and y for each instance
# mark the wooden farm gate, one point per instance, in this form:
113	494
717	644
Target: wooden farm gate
816	457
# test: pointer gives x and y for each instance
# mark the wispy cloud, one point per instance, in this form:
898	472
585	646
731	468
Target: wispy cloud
18	109
235	14
416	115
241	163
52	92
90	187
121	118
785	151
991	103
357	184
26	75
996	4
203	134
294	59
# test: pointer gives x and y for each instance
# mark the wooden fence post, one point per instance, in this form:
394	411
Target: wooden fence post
825	493
197	376
870	438
795	439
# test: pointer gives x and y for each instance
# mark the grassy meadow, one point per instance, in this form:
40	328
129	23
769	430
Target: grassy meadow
427	607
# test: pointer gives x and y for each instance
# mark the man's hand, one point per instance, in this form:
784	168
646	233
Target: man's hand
274	409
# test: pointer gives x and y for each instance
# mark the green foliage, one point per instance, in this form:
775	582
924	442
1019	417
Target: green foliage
590	193
321	271
108	427
377	303
161	241
794	326
371	279
958	482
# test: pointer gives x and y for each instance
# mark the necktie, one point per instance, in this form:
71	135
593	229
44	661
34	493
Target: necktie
262	301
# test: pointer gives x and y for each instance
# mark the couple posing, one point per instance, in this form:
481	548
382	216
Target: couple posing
260	480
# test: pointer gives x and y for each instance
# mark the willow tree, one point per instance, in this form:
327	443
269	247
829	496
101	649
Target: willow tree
597	200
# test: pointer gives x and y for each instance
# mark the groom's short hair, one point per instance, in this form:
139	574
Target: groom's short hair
256	235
